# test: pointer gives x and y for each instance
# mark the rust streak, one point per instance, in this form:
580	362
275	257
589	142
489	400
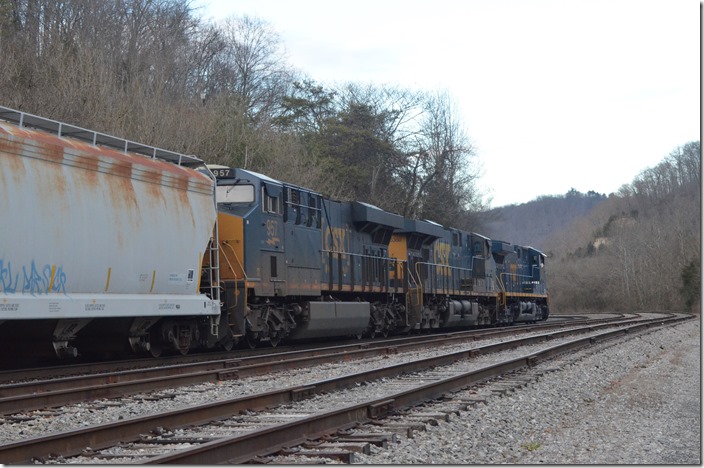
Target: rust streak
53	148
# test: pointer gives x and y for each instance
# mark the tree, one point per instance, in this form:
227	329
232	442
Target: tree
400	150
649	242
443	174
691	284
251	66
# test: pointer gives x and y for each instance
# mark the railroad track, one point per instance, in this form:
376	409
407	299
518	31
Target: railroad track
10	373
60	387
266	434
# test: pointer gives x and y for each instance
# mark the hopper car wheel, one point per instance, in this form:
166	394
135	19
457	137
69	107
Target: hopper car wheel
156	346
156	350
180	340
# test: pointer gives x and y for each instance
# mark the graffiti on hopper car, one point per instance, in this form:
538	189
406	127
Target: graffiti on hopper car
31	279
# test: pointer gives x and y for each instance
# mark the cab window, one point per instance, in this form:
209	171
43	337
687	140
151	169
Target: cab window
234	193
272	202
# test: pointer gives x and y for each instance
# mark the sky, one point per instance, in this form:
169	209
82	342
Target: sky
553	95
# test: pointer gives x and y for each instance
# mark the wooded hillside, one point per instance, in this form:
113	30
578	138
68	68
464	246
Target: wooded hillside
534	222
152	71
638	250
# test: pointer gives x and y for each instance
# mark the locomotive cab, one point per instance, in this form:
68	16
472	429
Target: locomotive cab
251	254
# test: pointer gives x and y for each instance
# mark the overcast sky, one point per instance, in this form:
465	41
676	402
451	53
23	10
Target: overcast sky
553	94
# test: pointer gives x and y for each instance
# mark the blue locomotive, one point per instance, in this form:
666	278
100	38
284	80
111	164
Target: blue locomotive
296	265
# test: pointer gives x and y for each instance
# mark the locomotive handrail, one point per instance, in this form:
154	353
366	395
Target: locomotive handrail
244	273
416	283
512	274
417	290
437	265
386	260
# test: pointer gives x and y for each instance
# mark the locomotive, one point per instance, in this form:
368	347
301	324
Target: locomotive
294	264
110	246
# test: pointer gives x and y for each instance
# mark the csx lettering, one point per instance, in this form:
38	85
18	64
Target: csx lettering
272	229
442	257
339	240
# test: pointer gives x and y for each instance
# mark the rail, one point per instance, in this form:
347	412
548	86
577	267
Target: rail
74	441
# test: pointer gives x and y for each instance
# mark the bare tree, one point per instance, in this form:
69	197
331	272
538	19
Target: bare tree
251	66
446	183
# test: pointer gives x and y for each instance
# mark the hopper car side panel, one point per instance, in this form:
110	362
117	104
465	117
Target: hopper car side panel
99	241
99	226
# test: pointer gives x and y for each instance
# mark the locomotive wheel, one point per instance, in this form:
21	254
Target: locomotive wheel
252	341
227	345
275	340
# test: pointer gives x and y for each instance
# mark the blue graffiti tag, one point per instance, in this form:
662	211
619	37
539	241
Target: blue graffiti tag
6	277
33	280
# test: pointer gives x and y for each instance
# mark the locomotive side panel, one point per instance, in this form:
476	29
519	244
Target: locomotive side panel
521	281
303	241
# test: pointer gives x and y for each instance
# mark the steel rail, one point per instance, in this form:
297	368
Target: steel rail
101	436
55	392
10	375
240	449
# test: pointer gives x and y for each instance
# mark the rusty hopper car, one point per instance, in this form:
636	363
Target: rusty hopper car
102	242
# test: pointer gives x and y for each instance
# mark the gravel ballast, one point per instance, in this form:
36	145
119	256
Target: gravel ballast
638	402
634	401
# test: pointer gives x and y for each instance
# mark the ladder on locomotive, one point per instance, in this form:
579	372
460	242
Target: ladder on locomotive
61	129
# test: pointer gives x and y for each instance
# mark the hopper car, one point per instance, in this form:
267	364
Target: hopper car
109	245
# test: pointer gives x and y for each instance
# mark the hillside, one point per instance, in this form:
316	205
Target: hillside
638	250
534	222
635	250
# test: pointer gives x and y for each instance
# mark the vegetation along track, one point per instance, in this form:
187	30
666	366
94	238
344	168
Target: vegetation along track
274	434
